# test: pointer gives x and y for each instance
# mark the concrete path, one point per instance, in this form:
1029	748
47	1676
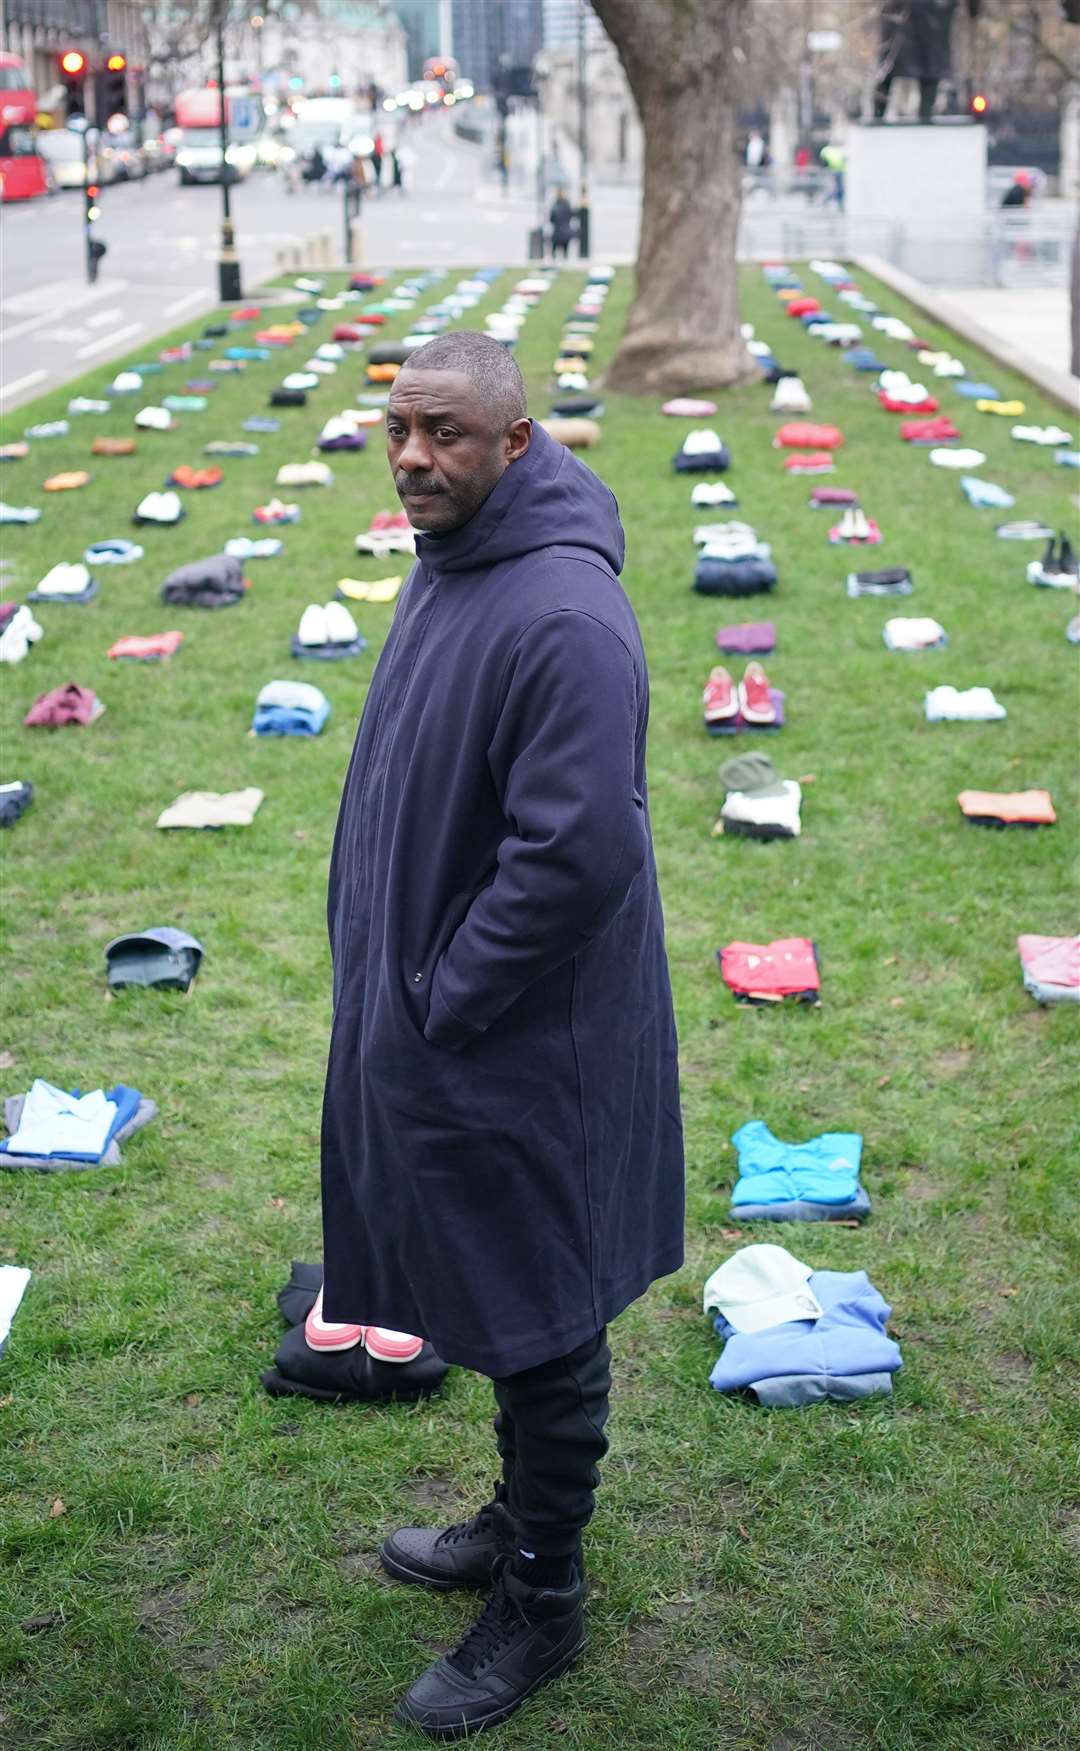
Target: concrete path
1032	319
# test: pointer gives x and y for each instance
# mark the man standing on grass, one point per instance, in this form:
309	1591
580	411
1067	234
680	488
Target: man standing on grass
502	1149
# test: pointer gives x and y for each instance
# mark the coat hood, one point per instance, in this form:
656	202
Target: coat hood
545	499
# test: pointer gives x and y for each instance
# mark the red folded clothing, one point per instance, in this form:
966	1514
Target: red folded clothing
932	431
802	435
802	306
810	462
65	705
929	405
250	313
769	972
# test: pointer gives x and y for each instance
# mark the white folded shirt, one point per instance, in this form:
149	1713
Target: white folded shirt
975	704
211	808
712	492
946	458
701	442
291	696
913	633
53	1120
65	579
767	811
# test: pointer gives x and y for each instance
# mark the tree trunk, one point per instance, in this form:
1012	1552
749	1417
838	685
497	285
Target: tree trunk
683	60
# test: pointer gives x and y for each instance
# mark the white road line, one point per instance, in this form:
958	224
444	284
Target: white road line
186	302
22	383
110	339
102	317
54	312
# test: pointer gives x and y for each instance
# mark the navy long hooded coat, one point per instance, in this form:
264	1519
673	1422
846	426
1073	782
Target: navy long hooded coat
502	1162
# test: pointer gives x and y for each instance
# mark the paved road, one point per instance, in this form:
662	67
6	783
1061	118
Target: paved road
162	250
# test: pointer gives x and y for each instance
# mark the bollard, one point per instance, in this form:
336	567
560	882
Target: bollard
356	243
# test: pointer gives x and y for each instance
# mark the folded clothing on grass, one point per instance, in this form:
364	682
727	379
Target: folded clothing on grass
918	633
1051	967
290	708
340	1376
824	1171
212	809
974	704
56	1124
1000	808
770	972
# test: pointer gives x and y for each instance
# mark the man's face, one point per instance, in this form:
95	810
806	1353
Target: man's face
446	448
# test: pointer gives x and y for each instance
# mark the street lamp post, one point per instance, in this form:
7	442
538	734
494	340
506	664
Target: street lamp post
583	127
228	267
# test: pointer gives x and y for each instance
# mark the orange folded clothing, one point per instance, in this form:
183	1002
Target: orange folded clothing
382	373
113	447
66	482
194	478
155	648
1015	808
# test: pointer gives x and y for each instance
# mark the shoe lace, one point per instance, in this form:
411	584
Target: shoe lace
480	1523
496	1625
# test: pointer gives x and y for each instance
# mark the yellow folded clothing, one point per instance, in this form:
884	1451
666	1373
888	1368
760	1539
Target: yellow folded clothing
211	808
576	434
1008	409
381	590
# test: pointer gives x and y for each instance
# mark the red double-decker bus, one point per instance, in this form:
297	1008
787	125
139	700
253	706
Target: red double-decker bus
22	170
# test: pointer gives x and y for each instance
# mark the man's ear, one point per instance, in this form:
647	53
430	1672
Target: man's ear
517	439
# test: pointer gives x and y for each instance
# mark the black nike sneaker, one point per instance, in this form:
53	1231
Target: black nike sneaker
461	1556
523	1638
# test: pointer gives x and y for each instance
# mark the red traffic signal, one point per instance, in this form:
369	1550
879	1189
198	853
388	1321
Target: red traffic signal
73	63
92	191
116	63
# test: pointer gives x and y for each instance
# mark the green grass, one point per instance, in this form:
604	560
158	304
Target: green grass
901	1575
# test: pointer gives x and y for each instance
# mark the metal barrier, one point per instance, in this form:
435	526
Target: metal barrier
998	249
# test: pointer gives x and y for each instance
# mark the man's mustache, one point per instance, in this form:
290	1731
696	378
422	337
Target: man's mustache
415	484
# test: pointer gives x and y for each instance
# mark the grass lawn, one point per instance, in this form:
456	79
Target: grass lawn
899	1575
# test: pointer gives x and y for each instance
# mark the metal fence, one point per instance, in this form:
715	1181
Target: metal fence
997	249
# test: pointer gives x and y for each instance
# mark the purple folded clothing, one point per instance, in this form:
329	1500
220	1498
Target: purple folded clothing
749	638
729	726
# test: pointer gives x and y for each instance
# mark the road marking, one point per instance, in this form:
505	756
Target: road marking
108	340
185	302
52	311
102	317
22	383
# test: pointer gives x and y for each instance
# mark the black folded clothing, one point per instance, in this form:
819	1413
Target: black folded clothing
288	398
216	582
387	352
749	576
15	799
702	461
215	330
577	407
338	1376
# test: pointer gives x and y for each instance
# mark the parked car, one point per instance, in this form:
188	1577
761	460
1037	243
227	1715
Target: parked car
198	157
63	154
123	156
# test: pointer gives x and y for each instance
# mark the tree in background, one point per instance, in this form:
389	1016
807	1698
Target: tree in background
683	60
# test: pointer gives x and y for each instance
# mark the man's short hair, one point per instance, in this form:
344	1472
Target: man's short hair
489	366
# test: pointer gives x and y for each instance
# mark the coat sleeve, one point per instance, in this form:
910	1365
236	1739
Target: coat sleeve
562	758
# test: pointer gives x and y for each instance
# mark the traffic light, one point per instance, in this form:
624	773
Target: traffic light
113	89
979	107
73	80
95	249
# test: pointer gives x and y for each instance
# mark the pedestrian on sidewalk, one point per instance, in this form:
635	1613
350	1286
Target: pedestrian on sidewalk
561	219
502	1168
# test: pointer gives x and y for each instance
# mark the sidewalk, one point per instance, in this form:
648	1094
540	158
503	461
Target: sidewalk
1034	320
